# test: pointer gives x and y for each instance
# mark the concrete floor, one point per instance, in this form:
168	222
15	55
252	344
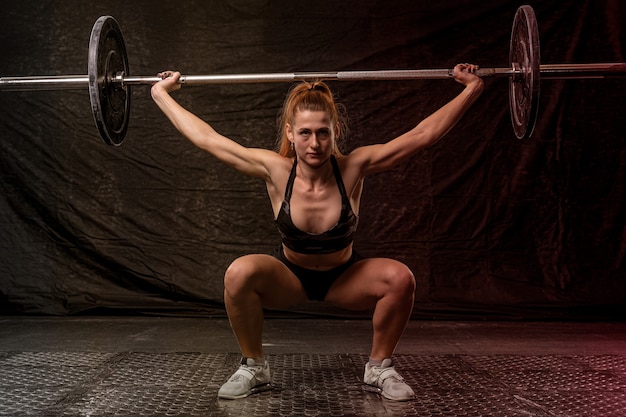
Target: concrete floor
121	366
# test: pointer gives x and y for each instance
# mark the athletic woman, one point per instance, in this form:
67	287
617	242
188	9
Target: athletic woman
315	193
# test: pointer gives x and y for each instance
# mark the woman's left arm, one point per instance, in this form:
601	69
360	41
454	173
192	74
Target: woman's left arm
381	157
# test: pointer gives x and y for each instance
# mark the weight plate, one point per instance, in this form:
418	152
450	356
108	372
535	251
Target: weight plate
110	102
524	85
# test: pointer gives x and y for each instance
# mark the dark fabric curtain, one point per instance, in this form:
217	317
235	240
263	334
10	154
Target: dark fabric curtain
491	226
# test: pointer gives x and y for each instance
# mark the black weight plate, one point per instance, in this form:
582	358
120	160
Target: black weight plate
524	88
110	102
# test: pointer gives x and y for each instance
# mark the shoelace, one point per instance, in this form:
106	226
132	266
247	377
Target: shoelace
239	375
387	373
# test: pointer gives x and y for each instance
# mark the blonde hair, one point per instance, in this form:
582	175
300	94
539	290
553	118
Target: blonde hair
312	96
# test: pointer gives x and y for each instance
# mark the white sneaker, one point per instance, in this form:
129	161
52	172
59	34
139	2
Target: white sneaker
388	381
250	378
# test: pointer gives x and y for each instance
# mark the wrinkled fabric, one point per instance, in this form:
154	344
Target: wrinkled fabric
490	225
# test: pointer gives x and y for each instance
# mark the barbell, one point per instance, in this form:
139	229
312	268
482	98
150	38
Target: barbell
108	76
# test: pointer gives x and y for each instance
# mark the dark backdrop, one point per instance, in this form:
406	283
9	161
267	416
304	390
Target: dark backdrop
491	226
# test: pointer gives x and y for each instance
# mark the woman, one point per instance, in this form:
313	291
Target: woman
315	193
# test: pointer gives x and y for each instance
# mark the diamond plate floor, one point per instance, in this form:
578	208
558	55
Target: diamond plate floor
472	373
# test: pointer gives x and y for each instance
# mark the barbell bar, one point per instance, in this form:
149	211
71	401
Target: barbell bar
78	82
109	79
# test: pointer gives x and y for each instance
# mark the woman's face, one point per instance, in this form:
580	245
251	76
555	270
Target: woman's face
312	136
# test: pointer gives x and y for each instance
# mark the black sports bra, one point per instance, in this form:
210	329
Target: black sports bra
333	240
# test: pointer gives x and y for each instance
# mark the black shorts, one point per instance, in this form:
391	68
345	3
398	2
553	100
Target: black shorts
316	283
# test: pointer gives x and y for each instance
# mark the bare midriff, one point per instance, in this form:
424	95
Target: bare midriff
319	262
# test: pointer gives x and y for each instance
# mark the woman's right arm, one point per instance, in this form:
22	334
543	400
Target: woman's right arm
250	161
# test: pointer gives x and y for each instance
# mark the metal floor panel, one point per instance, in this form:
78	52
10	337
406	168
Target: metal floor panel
186	384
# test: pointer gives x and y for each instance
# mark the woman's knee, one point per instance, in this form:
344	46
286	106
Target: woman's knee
239	275
401	279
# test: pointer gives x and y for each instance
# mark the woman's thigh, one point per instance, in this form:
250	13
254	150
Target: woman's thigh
368	280
277	286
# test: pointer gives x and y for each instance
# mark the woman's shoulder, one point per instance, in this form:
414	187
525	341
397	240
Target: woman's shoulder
278	165
353	159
